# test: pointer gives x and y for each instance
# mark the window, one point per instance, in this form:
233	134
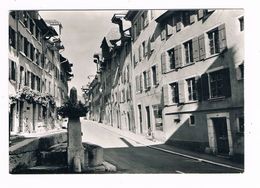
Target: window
188	52
219	82
12	70
241	68
213	41
144	49
192	89
241	124
32	81
241	22
144	19
186	18
155	75
31	52
22	76
192	120
32	27
12	37
172	59
38	80
26	46
145	79
27	80
175	92
216	84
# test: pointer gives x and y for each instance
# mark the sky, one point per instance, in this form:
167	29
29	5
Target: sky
81	36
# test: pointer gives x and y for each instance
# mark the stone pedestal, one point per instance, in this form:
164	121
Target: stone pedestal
75	148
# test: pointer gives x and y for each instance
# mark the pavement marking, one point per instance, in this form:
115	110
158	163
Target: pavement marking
198	159
179	172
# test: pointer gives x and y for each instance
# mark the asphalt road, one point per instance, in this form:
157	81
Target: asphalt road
131	157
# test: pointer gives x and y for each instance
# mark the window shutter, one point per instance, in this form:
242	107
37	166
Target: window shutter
141	83
178	26
146	48
149	78
152	46
10	69
169	29
195	49
149	47
157	74
163	34
137	83
140	53
181	85
165	95
176	57
192	18
163	62
202	52
205	86
198	87
180	55
227	85
222	37
200	13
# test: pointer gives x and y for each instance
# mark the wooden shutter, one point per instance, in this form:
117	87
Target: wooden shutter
198	87
176	57
181	85
163	33
200	13
166	95
178	26
238	73
141	83
163	62
140	52
227	85
148	78
202	51
149	47
222	38
195	49
205	86
157	74
169	29
180	55
137	82
152	46
192	18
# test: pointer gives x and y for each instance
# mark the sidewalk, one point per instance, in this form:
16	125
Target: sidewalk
202	157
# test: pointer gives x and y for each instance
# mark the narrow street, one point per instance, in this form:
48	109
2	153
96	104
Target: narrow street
132	157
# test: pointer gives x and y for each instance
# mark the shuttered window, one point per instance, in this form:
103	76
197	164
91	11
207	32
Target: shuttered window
217	39
178	56
145	80
12	37
172	59
220	83
192	89
141	83
155	75
181	90
12	70
188	52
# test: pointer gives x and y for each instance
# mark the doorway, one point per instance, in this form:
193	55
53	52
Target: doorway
221	134
140	118
21	117
148	120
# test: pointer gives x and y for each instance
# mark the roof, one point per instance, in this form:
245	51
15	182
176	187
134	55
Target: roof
45	28
53	22
112	35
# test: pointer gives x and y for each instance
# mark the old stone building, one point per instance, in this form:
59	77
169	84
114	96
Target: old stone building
186	75
38	73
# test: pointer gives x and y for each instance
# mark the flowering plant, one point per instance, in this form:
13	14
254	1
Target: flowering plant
31	96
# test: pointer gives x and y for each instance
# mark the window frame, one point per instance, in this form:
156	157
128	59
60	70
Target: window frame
188	52
192	89
213	41
174	86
